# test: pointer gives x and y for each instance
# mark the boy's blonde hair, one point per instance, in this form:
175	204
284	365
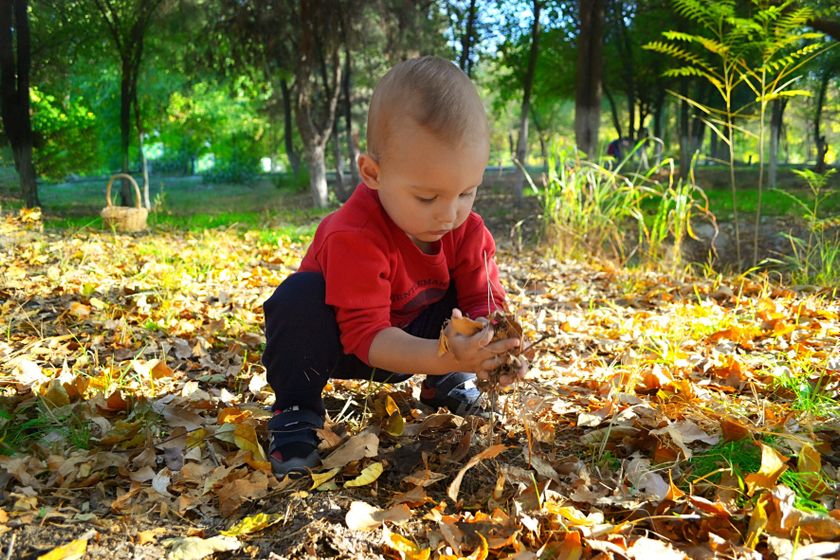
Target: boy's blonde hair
435	93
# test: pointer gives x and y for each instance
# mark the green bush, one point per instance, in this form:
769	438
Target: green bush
230	172
293	181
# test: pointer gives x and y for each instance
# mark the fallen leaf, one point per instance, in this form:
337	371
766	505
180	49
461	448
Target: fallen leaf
809	467
196	548
758	521
772	467
363	517
252	524
73	550
151	535
365	444
406	549
319	478
489	453
368	475
644	548
480	553
79	310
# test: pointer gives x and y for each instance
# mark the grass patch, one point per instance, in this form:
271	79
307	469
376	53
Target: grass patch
741	457
808	392
47	424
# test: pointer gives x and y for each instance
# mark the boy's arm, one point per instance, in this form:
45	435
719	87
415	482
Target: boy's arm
393	349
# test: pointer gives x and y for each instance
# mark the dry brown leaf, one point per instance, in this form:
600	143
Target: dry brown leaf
489	453
365	444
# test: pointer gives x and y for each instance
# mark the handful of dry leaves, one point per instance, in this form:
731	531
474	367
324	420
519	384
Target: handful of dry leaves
504	326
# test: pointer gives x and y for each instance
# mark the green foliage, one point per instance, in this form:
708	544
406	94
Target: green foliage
817	258
760	52
678	203
23	426
808	391
589	210
63	129
586	208
740	457
230	172
293	181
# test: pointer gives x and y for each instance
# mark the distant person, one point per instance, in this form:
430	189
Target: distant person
619	149
386	270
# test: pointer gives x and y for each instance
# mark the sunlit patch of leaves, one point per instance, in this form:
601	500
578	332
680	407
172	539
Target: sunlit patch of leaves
661	417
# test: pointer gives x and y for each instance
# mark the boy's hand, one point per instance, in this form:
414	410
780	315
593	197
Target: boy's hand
476	353
505	380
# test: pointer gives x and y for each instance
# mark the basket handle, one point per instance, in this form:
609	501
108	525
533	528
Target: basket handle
122	176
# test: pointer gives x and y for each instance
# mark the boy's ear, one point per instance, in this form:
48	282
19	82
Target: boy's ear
369	170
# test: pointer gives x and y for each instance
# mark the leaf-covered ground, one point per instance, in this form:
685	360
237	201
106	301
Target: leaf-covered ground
665	418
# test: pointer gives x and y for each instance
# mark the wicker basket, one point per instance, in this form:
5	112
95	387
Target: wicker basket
124	218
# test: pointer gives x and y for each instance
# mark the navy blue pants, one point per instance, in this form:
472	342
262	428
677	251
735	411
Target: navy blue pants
303	349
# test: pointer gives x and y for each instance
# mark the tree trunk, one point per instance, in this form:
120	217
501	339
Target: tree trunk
14	93
138	122
145	168
588	76
777	111
342	192
125	132
625	51
467	39
288	132
352	143
658	130
685	135
317	173
819	138
527	85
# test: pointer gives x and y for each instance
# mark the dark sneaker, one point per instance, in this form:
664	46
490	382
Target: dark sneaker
456	392
293	443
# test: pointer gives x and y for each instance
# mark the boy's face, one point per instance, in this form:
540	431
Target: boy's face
426	185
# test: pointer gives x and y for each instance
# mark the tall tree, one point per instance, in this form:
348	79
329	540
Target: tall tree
777	111
588	76
317	42
527	86
15	63
128	22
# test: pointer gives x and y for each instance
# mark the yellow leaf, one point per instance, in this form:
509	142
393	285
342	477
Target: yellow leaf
461	325
758	521
319	478
71	551
809	465
367	476
243	436
466	326
55	394
395	424
79	310
252	524
391	407
772	467
407	549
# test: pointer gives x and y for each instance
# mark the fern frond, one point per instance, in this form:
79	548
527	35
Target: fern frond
693	71
678	53
707	14
788	93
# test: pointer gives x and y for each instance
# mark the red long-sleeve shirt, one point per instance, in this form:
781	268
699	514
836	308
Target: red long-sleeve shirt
377	277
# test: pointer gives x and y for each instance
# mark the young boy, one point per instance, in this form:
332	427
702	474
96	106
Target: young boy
387	269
